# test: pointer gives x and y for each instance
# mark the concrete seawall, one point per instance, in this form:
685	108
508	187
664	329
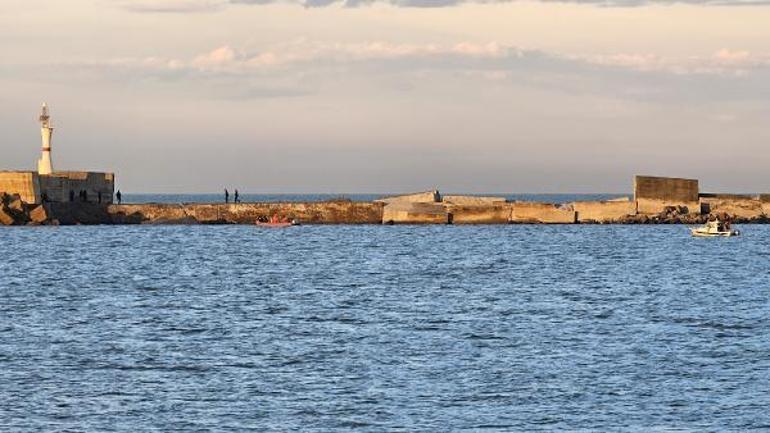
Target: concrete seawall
340	212
352	213
740	209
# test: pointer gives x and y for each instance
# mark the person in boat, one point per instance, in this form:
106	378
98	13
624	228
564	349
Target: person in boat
274	219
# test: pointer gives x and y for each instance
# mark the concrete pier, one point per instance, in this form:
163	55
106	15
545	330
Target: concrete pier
655	201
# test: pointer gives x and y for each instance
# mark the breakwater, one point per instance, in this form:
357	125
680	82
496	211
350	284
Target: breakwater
336	212
656	200
741	210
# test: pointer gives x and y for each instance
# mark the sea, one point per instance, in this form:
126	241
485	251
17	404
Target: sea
520	328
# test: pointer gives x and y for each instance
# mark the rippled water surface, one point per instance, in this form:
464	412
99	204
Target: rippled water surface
440	328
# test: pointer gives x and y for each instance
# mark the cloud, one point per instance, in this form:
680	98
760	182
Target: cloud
490	56
226	59
722	62
305	67
187	6
445	3
173	6
218	57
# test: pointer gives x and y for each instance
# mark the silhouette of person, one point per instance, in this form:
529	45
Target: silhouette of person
72	195
99	197
119	196
227	196
237	198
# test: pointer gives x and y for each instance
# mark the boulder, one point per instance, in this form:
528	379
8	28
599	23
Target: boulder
38	214
15	203
5	217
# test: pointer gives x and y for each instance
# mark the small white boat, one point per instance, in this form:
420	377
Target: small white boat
276	224
714	229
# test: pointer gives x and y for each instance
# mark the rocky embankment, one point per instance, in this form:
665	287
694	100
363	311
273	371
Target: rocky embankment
675	215
13	211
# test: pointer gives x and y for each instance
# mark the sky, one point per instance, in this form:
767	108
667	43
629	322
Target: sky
387	96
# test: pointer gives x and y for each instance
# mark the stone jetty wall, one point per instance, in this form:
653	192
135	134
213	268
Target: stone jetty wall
493	213
603	211
13	211
741	209
335	212
405	212
24	184
654	194
547	213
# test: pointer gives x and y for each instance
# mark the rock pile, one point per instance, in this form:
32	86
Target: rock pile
14	212
669	215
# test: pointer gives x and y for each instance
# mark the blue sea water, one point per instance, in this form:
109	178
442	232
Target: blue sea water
379	328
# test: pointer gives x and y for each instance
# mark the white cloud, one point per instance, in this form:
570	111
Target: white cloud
221	56
173	6
722	62
228	59
182	6
491	57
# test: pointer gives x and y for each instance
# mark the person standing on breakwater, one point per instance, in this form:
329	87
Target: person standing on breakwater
119	196
227	196
236	197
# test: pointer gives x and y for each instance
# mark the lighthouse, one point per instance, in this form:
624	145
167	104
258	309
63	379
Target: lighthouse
44	165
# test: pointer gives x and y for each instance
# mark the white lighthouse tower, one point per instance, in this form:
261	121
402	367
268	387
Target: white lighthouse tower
44	165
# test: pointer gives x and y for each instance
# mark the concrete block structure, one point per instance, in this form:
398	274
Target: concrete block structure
654	194
495	213
419	197
58	187
24	183
69	185
415	213
603	211
48	185
472	200
546	213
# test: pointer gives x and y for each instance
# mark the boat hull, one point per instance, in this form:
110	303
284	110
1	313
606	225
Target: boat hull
274	225
702	234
